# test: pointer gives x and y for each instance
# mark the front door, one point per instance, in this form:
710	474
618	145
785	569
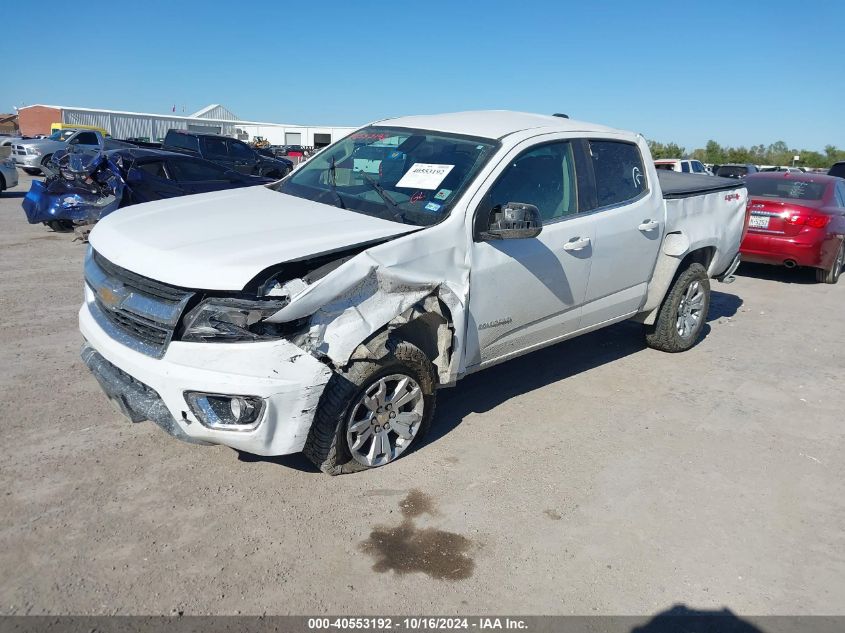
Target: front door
527	292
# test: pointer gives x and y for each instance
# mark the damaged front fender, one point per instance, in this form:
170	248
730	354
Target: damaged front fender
381	290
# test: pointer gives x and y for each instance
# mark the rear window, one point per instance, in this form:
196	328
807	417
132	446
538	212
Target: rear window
837	170
666	166
729	171
785	188
184	141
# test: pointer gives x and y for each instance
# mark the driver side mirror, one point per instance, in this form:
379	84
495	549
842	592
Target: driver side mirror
513	221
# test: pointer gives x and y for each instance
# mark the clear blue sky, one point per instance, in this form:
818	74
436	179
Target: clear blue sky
741	72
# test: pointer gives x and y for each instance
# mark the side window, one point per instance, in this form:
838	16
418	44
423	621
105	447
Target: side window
685	166
154	168
697	167
239	151
189	170
543	176
214	147
840	194
182	140
85	138
619	172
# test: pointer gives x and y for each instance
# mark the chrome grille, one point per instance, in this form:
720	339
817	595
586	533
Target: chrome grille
136	311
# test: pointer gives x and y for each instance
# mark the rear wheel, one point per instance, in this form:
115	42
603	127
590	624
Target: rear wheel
683	312
2	183
831	276
373	412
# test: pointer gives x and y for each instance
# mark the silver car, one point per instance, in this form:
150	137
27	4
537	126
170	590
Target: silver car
8	174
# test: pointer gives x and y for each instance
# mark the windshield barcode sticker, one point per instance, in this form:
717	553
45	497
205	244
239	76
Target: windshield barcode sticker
424	176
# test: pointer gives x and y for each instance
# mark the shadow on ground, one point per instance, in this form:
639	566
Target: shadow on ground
486	390
13	194
680	618
778	273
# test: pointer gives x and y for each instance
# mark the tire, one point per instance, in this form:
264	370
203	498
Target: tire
44	162
2	183
666	334
831	276
60	226
343	405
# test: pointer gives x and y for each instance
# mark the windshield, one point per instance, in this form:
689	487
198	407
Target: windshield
399	174
60	135
789	188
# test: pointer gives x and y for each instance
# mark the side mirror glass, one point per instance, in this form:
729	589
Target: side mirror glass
513	221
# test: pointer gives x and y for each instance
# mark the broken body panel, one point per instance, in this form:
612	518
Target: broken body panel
346	280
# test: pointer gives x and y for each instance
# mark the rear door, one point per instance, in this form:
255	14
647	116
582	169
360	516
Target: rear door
629	219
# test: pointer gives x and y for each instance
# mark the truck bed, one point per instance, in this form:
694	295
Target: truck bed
678	185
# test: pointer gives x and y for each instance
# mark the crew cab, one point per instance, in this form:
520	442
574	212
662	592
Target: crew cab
34	155
228	152
323	312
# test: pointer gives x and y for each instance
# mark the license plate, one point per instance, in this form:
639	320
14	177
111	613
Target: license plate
759	222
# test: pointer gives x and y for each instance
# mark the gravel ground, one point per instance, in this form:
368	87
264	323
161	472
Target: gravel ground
594	477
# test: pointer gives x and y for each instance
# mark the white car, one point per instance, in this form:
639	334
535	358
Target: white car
8	174
321	313
682	165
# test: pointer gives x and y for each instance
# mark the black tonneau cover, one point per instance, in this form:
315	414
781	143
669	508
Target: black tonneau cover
679	185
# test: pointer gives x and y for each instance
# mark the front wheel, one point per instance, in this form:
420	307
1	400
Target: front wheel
831	276
683	312
373	412
60	226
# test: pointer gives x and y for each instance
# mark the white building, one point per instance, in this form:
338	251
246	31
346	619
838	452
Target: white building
213	119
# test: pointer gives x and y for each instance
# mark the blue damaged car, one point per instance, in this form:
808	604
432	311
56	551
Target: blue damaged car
83	187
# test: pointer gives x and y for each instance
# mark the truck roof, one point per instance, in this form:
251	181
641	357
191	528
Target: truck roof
494	124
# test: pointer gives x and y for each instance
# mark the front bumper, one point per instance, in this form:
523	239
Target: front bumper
30	161
288	379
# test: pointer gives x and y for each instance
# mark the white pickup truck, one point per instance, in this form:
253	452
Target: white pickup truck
321	313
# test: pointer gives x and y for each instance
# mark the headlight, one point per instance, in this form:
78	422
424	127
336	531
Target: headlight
232	320
33	150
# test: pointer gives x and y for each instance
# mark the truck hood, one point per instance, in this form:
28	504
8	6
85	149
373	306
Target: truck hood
222	240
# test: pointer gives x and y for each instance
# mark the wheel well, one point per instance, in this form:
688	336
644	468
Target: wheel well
428	326
701	256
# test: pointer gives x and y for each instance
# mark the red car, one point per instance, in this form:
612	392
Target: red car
796	220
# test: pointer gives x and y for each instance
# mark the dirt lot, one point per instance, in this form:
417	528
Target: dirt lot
596	476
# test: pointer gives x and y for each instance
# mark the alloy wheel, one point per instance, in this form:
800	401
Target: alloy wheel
690	310
384	420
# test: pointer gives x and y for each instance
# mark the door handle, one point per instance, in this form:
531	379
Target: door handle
577	244
648	225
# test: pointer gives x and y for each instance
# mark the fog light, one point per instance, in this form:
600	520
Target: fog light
222	412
